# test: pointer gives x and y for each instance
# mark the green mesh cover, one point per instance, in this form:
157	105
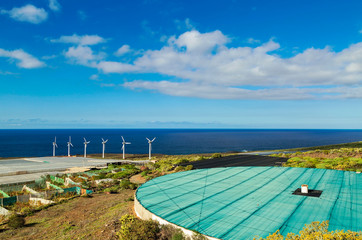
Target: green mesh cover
244	202
5	195
57	179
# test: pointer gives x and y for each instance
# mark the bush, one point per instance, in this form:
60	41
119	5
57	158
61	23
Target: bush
144	168
189	167
216	155
315	230
179	168
170	232
137	229
113	189
16	221
126	184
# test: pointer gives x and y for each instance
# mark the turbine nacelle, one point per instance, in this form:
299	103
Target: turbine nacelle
55	142
85	141
150	141
70	142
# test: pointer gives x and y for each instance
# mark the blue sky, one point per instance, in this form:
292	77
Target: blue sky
180	64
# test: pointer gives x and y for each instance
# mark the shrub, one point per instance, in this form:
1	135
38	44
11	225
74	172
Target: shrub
179	168
170	232
216	155
315	230
189	167
126	184
144	173
113	189
16	221
144	168
137	229
198	236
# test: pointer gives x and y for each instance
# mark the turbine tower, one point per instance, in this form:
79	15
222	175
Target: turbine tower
104	146
54	146
69	144
124	146
150	147
85	147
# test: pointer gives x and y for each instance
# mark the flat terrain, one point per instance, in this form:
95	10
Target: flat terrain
29	169
79	218
237	160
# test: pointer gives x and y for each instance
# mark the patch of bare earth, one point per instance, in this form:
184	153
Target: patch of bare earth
79	218
138	179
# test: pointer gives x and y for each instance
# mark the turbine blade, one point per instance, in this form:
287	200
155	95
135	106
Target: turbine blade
102	140
71	144
122	138
153	139
84	140
56	145
148	139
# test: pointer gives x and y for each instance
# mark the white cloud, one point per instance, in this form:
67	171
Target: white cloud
122	50
94	77
27	13
115	67
196	42
202	65
184	25
7	73
82	55
54	5
23	59
252	41
80	40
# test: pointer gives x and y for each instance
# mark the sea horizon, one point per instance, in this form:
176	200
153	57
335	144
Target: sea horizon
170	141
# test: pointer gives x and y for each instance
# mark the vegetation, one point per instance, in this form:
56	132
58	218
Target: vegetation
16	221
327	147
349	159
316	230
137	229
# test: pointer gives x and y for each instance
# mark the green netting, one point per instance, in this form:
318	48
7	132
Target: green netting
4	194
244	202
57	179
8	201
90	174
55	187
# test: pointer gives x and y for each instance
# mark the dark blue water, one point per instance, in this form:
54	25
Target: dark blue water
31	143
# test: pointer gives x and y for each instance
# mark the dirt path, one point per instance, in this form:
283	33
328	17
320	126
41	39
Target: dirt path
80	218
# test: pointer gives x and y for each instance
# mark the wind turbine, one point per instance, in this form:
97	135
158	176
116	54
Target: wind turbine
150	147
104	146
54	146
69	144
124	146
85	147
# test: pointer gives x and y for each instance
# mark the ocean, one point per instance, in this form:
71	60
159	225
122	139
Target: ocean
38	142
